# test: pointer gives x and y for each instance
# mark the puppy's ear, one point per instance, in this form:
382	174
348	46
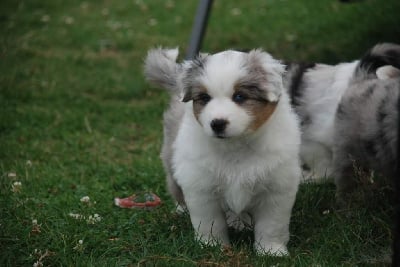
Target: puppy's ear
192	69
161	69
268	71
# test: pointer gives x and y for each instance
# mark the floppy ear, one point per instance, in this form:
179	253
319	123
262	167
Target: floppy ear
192	69
161	69
269	71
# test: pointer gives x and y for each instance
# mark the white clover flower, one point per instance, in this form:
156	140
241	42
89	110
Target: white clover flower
153	22
16	187
94	218
45	18
76	216
105	12
35	227
85	199
69	20
236	11
79	246
169	4
84	5
326	212
12	175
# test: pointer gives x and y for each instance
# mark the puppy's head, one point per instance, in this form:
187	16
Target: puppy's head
233	93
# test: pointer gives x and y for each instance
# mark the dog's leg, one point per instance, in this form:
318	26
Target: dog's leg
272	217
344	175
208	218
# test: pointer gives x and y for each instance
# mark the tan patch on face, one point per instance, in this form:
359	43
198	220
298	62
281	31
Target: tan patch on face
198	102
261	111
254	101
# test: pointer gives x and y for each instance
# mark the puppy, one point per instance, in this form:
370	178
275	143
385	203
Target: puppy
231	143
315	91
366	126
366	122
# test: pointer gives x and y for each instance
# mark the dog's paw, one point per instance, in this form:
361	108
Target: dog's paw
271	249
212	240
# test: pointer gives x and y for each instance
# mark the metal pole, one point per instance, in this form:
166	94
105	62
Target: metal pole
199	27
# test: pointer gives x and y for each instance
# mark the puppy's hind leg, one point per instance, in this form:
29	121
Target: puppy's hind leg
344	176
176	191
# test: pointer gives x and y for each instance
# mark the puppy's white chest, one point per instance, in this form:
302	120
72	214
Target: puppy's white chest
237	197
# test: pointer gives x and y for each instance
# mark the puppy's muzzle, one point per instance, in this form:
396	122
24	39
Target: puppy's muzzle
219	126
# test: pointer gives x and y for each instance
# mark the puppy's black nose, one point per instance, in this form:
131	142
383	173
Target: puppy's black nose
218	125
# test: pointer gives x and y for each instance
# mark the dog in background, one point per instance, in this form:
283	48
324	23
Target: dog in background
366	120
350	117
366	126
231	143
315	91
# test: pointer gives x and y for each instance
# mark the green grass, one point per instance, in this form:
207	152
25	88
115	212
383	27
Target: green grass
77	119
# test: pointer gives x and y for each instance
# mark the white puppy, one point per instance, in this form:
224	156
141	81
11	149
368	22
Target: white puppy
231	145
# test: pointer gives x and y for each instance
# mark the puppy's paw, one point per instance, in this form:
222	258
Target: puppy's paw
272	249
212	240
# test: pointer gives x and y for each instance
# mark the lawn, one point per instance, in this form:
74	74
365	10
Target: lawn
78	119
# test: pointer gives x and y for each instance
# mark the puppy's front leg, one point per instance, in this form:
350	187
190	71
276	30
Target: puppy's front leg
271	222
208	218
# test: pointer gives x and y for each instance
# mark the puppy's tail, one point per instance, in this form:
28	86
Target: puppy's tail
161	69
385	54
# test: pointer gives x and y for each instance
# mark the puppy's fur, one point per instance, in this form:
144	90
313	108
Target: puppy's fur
315	91
366	121
350	116
366	126
231	145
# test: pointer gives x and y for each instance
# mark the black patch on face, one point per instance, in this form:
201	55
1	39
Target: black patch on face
297	80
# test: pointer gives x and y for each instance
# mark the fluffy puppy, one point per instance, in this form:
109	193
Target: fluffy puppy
366	122
366	126
231	143
315	91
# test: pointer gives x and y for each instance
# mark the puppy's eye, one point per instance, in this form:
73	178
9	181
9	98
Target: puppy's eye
203	98
238	98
